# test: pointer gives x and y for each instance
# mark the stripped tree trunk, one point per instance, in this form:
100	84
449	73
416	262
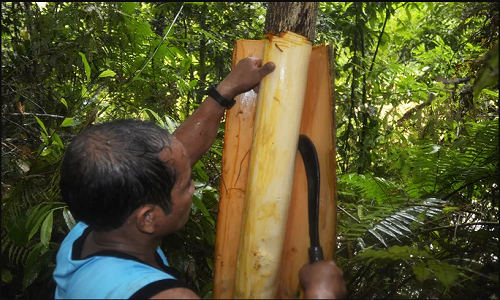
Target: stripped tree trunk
272	160
318	124
272	242
235	161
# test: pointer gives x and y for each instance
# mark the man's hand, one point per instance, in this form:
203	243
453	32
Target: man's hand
322	280
246	75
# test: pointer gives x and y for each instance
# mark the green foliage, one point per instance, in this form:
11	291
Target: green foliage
68	65
416	89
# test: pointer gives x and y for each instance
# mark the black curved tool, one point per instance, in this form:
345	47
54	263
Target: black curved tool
311	163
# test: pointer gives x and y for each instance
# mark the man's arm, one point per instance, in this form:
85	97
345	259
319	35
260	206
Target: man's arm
199	131
176	293
320	280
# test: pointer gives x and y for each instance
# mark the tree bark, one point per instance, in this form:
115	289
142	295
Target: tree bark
298	17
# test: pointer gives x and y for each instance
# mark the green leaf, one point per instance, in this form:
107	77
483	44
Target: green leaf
46	152
34	264
57	140
63	101
139	78
67	122
107	73
156	116
204	32
490	93
68	218
46	231
194	3
16	230
421	271
450	209
193	83
210	263
199	171
197	201
36	219
84	91
6	275
128	7
86	64
45	138
41	124
445	273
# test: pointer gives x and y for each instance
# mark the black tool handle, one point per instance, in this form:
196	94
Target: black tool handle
311	164
315	254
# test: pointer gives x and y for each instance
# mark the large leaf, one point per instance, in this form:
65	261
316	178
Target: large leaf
46	230
86	64
67	122
37	259
128	7
16	230
41	125
444	272
420	270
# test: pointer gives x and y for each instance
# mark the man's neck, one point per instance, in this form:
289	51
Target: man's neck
125	240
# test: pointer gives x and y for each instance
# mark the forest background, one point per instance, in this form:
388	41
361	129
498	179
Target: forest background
416	90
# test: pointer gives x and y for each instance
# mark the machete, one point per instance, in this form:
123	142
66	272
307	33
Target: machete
311	164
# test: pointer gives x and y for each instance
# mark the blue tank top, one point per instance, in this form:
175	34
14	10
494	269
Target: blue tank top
108	274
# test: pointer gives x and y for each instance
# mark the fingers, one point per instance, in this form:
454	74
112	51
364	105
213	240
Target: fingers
266	69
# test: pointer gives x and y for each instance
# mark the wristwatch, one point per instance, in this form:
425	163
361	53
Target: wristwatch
212	92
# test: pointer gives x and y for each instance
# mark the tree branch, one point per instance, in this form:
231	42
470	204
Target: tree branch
39	115
461	225
387	14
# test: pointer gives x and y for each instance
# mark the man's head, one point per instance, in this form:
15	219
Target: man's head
112	169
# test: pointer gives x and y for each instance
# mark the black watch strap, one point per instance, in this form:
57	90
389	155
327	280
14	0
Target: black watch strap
212	92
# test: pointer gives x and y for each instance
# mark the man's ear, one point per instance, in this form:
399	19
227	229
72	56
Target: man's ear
147	215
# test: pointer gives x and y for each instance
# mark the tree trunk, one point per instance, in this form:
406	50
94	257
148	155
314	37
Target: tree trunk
291	29
270	232
299	17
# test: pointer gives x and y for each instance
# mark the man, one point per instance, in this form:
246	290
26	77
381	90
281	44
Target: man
129	184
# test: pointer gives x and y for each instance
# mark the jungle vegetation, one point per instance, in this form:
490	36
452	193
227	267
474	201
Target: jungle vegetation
416	104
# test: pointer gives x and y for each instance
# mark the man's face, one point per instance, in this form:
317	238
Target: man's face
183	189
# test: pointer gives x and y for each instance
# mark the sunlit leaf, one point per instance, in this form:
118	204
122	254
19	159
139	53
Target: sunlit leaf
84	91
107	73
41	124
408	216
378	236
63	101
57	140
86	64
128	7
67	122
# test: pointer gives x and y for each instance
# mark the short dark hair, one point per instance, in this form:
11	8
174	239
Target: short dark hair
111	169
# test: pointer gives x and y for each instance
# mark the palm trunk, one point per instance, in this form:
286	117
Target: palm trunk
235	162
272	160
317	124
